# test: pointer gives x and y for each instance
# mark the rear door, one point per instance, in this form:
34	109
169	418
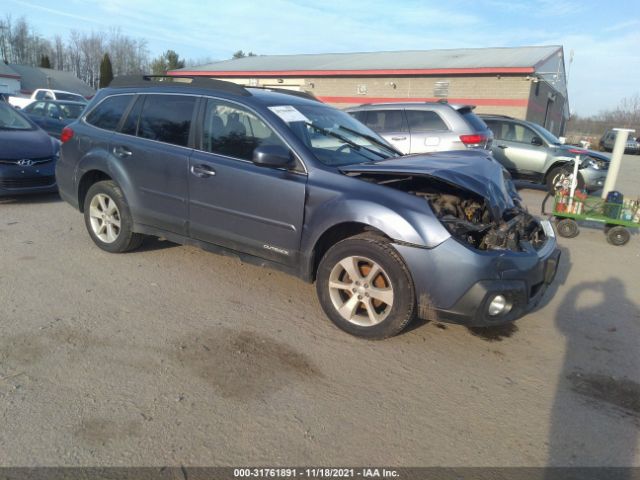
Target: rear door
152	145
233	202
391	124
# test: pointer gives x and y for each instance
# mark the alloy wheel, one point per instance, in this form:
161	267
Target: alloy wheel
105	218
361	291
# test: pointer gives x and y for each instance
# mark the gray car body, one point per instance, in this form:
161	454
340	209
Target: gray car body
288	219
411	141
533	162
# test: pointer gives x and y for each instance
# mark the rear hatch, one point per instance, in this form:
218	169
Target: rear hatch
482	135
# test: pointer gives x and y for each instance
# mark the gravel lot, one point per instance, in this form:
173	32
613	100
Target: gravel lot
171	355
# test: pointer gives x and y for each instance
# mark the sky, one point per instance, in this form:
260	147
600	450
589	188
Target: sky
604	37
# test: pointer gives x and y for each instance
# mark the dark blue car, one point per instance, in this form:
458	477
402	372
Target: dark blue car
27	155
53	115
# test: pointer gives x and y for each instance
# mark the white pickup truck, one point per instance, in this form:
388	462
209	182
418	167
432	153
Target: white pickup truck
45	94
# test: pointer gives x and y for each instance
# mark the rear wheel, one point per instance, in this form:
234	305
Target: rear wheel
618	236
567	228
108	219
365	288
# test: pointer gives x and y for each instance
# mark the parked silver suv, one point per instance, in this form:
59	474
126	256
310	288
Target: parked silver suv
425	127
531	152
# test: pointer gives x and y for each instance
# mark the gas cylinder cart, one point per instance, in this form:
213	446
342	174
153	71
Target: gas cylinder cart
615	213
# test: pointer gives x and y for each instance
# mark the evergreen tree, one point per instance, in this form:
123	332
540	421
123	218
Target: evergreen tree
106	71
44	61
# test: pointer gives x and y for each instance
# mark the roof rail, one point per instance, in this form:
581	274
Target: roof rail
498	115
295	93
169	81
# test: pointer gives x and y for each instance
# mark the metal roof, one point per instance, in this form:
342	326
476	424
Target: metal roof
33	78
464	60
6	71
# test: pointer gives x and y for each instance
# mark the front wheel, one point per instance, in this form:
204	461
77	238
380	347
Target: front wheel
108	219
560	178
365	288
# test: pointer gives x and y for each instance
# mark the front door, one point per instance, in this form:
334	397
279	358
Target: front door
233	202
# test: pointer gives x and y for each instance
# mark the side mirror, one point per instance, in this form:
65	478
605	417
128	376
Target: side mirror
536	141
274	156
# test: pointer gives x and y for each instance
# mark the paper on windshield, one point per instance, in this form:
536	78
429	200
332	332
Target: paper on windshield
288	113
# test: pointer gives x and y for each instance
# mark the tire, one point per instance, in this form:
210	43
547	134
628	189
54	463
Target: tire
108	218
618	236
366	312
567	228
552	179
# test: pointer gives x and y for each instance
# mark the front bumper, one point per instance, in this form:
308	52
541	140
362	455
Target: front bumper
456	284
593	179
22	180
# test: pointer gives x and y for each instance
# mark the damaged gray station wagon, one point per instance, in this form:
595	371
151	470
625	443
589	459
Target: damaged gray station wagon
279	178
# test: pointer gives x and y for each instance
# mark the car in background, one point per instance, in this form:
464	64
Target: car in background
28	155
531	152
53	115
608	140
45	94
425	127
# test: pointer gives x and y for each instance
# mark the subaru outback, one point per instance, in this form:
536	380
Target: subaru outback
281	179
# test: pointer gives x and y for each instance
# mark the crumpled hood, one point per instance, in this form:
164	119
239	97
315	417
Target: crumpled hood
18	144
473	170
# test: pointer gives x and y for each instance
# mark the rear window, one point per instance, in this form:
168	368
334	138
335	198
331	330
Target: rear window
108	113
70	96
472	119
420	120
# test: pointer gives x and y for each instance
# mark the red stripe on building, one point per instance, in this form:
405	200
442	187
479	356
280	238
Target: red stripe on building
343	73
17	77
495	102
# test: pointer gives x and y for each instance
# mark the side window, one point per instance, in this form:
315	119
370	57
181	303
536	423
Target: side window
167	118
524	134
130	125
41	95
232	131
496	128
387	121
53	111
36	108
108	113
421	120
361	116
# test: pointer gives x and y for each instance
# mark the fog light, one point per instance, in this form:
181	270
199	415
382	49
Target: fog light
498	305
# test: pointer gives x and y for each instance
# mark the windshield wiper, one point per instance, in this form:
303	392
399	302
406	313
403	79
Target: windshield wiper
344	139
371	138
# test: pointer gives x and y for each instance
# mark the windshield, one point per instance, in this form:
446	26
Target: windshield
70	96
334	137
10	119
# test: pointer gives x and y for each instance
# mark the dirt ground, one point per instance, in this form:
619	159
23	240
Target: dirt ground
171	355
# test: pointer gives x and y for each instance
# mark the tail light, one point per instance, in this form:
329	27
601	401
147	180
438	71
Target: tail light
66	135
475	140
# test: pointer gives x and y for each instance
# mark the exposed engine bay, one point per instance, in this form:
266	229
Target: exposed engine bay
467	216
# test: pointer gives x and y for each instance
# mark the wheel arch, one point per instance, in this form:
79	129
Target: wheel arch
84	184
333	235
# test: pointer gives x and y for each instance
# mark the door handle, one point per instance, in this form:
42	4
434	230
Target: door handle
398	138
122	152
502	146
202	171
